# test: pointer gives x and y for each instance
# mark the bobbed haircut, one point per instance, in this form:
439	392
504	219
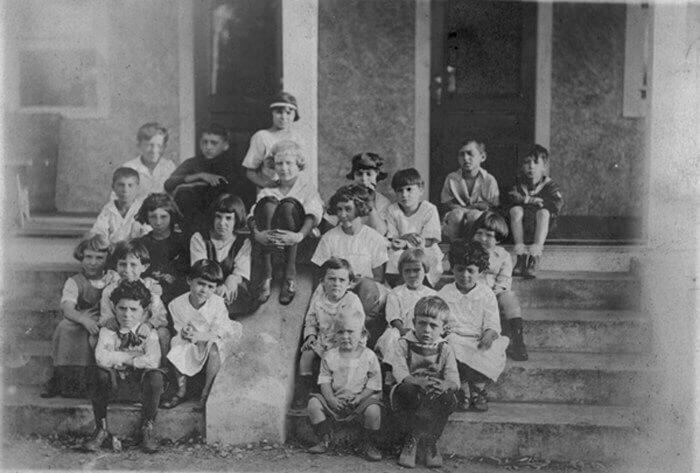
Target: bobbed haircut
131	248
336	263
213	128
123	173
93	242
285	99
133	291
285	147
480	145
433	307
151	129
406	177
159	201
228	203
414	255
469	253
493	222
208	270
358	194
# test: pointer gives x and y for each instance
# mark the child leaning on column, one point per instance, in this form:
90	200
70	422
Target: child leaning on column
425	369
535	203
489	229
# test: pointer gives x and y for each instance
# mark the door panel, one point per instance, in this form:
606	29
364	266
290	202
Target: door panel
483	64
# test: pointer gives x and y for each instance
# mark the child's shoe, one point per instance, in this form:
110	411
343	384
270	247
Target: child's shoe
520	265
287	292
148	438
533	263
264	290
462	401
369	450
322	430
98	438
479	401
516	349
433	459
408	452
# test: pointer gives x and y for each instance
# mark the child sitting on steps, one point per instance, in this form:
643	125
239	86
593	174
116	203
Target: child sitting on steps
350	381
474	325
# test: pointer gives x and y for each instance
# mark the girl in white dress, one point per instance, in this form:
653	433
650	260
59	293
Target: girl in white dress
474	325
205	334
412	223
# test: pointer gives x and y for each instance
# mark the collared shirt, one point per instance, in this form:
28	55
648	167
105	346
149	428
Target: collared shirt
364	250
350	376
158	317
108	353
471	314
211	317
150	182
400	303
322	312
498	276
261	144
485	189
116	228
303	191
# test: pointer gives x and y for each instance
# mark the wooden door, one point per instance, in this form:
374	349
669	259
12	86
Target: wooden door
483	69
238	65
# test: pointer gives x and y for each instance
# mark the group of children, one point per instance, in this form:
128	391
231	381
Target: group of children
179	253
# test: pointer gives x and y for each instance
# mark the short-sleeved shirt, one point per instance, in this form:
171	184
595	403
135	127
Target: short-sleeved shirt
71	291
485	189
425	221
322	312
151	182
498	276
350	376
364	250
303	191
261	144
116	228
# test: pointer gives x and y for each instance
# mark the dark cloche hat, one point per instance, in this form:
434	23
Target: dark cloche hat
367	161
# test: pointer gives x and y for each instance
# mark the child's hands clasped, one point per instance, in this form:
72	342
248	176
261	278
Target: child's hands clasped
487	339
413	239
188	332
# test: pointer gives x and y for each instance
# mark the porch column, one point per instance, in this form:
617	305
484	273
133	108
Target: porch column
300	71
670	266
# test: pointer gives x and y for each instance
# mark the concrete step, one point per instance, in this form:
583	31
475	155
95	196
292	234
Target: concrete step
600	258
27	413
27	362
30	325
554	431
574	290
592	331
574	378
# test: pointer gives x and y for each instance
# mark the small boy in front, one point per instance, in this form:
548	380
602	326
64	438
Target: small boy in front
351	384
117	219
425	369
535	203
468	191
132	260
198	181
489	229
127	359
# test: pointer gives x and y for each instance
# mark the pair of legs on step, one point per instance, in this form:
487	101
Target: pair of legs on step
211	369
530	221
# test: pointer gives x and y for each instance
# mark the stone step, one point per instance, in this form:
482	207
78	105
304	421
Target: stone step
574	290
574	378
25	412
28	362
592	331
553	431
599	258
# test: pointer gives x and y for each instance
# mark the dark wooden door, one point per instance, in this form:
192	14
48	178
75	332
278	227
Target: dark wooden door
483	69
238	65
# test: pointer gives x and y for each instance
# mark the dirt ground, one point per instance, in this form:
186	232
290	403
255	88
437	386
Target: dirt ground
54	453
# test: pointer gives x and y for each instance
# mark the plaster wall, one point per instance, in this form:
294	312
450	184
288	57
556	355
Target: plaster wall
366	82
143	85
597	154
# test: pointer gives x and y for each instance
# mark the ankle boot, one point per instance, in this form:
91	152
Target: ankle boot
408	452
98	437
148	438
433	459
323	432
520	265
533	264
516	350
369	450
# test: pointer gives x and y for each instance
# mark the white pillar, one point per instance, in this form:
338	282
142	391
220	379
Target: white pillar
670	267
421	130
188	134
300	71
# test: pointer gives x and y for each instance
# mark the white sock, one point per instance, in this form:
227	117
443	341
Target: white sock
536	250
520	249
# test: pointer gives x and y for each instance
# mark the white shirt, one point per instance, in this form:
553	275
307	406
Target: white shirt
108	355
401	301
485	189
471	314
158	317
364	250
116	228
261	144
150	182
322	312
349	377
